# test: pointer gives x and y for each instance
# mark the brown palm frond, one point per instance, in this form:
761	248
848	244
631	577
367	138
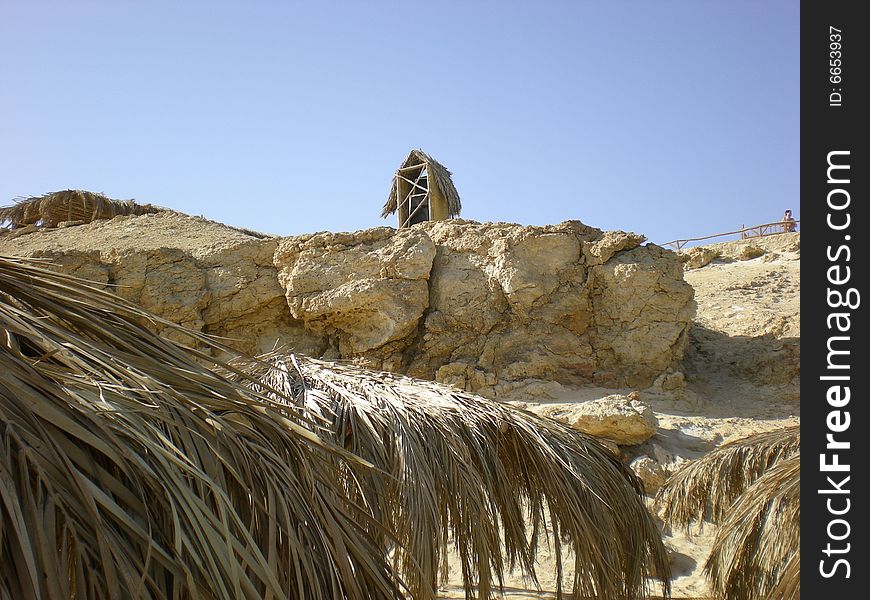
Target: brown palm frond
756	552
70	205
128	470
481	476
707	487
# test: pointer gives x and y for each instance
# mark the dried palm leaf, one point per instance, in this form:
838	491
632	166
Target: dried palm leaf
70	205
756	552
706	488
128	470
479	475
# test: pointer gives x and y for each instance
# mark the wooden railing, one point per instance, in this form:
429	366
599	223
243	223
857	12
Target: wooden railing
745	232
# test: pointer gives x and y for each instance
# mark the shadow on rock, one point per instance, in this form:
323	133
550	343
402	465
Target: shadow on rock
764	359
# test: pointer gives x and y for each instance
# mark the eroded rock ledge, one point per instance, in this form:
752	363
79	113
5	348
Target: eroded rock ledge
485	307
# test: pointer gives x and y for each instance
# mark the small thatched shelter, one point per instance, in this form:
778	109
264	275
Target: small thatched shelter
751	489
422	191
757	551
707	488
481	477
69	206
131	470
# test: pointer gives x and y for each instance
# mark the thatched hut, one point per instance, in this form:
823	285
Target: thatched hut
757	551
481	477
131	470
706	489
69	206
422	191
751	489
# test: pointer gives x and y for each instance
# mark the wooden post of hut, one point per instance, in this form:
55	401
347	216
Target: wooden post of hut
422	190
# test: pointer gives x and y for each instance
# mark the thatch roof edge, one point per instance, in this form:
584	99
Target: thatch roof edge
443	179
70	205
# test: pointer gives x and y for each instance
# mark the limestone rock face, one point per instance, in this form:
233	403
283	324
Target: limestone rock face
188	270
650	472
697	257
616	417
641	306
364	290
610	242
507	303
492	308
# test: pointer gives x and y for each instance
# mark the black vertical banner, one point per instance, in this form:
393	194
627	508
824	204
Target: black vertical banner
835	425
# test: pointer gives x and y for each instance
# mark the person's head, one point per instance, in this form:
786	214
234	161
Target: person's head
788	212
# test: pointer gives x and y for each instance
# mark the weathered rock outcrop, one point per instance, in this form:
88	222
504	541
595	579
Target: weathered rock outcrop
483	305
480	306
650	472
620	419
364	291
188	270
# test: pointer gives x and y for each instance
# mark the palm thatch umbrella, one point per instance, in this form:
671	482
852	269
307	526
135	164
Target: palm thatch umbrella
479	475
129	470
756	552
751	489
70	205
706	488
426	180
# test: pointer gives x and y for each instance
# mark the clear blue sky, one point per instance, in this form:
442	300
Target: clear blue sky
667	118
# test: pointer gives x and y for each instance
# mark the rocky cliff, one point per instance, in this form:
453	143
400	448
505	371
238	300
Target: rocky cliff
486	307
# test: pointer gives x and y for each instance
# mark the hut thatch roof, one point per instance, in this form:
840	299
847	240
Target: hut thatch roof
751	489
131	470
757	550
706	488
442	178
69	205
481	476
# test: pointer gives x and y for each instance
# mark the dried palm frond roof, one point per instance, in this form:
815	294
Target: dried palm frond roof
756	551
751	489
70	205
481	476
442	179
129	470
706	488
